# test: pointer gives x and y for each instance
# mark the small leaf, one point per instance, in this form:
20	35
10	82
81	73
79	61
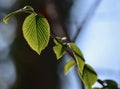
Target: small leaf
76	50
36	31
68	66
59	40
59	50
9	16
78	56
56	42
108	87
95	88
111	83
25	9
89	76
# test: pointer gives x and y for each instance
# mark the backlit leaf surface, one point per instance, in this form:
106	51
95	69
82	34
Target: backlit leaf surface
36	31
68	66
89	76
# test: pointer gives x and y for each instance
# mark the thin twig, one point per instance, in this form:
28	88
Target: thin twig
101	82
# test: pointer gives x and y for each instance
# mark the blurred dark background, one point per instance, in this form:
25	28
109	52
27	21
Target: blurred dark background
30	71
93	25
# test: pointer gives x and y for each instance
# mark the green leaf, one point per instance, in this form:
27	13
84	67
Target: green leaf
36	31
59	50
108	87
78	56
95	88
105	88
111	83
76	50
56	42
68	66
59	40
25	9
89	76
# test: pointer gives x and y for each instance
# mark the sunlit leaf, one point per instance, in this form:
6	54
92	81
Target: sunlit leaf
36	31
76	50
78	56
68	66
10	15
89	76
59	50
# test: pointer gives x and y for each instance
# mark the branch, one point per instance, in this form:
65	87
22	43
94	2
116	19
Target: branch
101	82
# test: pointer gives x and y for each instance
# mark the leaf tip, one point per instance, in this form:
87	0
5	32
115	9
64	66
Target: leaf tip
65	73
38	52
4	20
68	66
